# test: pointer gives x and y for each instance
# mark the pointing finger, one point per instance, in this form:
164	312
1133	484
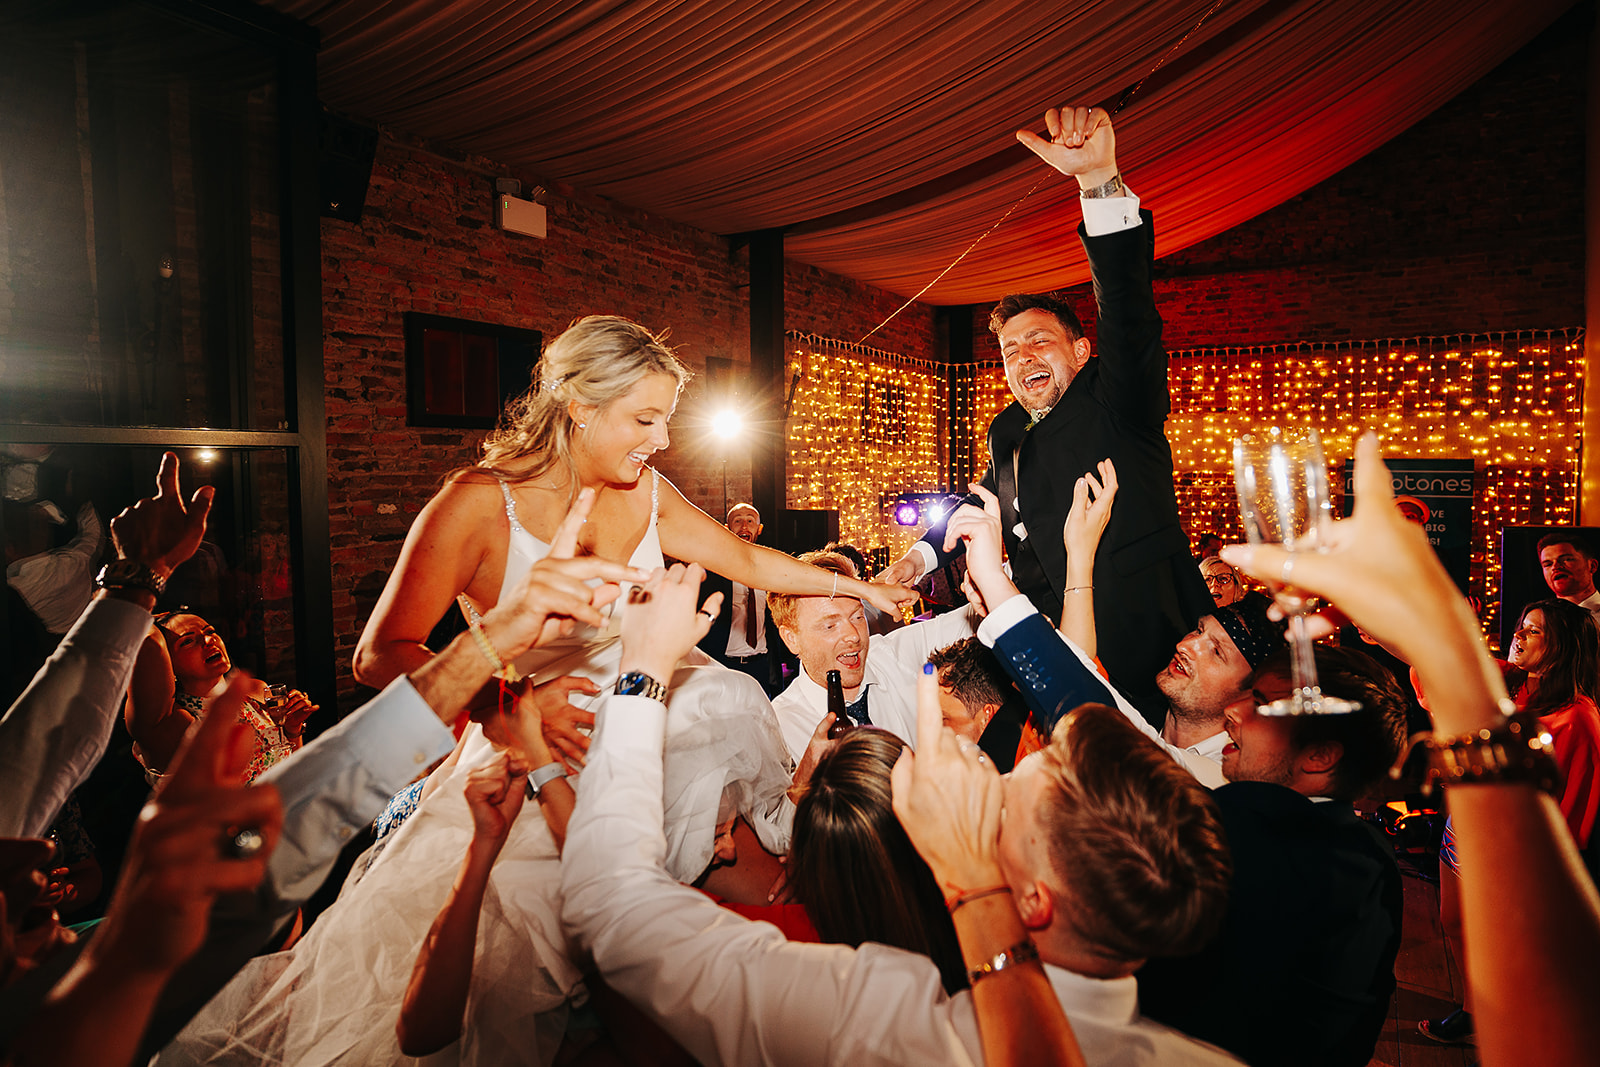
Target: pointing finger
565	543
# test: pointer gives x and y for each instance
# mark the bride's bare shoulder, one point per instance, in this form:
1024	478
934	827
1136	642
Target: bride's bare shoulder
471	495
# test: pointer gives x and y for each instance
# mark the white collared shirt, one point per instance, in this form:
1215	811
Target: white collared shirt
893	661
737	645
756	997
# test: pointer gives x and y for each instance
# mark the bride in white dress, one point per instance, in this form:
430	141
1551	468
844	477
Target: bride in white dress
602	398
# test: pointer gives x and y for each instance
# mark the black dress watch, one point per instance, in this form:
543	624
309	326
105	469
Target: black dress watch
129	574
640	684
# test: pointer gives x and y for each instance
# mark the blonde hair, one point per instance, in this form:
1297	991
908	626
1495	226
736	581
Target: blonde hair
595	361
783	607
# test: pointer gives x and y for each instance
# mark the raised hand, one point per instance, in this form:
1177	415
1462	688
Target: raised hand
495	793
1091	510
1380	571
905	571
815	747
660	623
1081	144
291	712
981	531
887	598
162	531
948	797
182	855
559	717
554	594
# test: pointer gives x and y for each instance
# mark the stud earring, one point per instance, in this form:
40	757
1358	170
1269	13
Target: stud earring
583	425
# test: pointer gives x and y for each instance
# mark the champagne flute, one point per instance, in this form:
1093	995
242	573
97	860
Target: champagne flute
1282	479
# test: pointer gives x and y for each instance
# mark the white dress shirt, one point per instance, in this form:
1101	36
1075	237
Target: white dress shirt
58	584
56	732
735	992
1202	759
893	661
737	645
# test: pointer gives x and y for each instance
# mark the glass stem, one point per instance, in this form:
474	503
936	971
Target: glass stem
1304	664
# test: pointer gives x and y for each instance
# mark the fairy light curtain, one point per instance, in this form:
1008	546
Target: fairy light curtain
864	426
1513	402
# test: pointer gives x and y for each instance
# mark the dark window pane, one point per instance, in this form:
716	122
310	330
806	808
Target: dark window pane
140	267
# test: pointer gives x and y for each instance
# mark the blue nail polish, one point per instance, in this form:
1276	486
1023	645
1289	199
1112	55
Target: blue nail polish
927	668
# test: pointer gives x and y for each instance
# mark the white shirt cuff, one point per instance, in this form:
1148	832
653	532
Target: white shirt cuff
632	724
925	554
1004	618
1110	214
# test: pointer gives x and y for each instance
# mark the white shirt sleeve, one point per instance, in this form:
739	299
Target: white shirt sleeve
59	727
340	782
731	991
1110	214
925	554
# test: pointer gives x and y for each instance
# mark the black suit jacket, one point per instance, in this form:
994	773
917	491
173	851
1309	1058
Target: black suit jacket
715	642
1303	969
1147	590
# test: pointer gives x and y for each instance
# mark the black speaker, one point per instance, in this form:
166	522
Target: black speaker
344	167
802	531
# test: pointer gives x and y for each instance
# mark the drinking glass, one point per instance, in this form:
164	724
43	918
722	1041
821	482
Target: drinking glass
1282	479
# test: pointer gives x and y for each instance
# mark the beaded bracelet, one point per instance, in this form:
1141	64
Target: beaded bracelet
501	667
1517	750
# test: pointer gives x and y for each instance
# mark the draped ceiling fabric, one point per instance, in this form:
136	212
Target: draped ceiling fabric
880	135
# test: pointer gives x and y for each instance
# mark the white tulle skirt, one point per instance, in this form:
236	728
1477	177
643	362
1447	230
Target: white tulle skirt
334	998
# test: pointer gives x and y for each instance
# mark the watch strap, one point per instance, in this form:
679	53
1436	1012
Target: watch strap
130	574
640	684
540	777
1107	189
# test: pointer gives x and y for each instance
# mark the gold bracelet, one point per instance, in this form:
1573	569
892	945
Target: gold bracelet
1023	951
1517	750
501	667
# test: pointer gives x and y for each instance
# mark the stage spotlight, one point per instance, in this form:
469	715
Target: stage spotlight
907	513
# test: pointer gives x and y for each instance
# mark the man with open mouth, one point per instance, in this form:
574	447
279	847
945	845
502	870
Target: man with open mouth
1074	408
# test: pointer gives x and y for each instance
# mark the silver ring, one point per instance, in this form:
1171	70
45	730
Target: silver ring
706	613
244	844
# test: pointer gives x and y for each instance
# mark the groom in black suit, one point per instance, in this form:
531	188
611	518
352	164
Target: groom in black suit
1073	410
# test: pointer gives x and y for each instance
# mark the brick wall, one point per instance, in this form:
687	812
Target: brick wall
427	242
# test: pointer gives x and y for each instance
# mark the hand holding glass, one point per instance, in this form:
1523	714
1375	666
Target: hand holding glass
1282	479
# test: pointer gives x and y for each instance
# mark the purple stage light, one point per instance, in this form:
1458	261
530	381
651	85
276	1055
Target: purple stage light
907	513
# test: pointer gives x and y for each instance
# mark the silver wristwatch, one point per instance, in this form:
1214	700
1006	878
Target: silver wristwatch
640	684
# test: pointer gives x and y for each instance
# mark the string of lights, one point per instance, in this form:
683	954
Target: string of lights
868	425
1512	402
865	426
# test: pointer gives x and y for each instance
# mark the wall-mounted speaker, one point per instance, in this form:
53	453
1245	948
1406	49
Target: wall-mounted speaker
344	167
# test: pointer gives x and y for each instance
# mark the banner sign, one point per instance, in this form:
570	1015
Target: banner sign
1436	494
